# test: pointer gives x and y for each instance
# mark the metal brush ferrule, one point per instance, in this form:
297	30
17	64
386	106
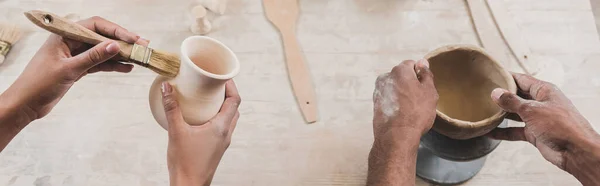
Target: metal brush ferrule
4	47
141	54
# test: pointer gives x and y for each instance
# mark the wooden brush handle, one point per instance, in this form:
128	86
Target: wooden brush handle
65	28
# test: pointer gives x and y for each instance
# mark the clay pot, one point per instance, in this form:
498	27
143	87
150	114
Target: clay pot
206	64
465	77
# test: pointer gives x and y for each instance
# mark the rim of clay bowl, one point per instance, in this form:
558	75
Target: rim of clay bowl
512	86
230	75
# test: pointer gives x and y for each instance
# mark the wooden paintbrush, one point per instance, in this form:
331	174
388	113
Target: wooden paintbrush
9	35
163	63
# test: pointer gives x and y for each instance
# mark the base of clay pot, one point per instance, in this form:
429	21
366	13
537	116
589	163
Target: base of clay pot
439	171
446	161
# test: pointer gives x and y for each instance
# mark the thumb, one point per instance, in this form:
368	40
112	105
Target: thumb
424	73
95	55
507	101
172	111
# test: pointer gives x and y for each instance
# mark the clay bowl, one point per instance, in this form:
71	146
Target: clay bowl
465	76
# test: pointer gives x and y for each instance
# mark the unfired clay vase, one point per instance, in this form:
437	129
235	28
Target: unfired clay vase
465	76
206	64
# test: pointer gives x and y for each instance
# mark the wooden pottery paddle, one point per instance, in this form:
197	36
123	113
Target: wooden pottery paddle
283	14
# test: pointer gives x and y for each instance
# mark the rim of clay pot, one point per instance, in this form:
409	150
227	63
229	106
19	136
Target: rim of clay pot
512	86
230	75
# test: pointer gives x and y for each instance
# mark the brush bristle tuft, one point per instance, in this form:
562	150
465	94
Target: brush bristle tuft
9	33
166	64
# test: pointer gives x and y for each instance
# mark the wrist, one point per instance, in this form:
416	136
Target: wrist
182	179
400	136
12	116
14	112
181	176
392	145
11	121
583	160
392	160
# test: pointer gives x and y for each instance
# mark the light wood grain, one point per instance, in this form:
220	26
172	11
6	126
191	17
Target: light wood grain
68	29
99	136
283	14
487	31
512	36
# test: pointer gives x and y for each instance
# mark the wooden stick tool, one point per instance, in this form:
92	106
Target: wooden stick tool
283	15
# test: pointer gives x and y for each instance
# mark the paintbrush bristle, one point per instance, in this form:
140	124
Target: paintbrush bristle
164	63
9	33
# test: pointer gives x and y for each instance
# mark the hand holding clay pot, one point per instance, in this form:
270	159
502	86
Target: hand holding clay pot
404	98
553	124
464	77
206	64
194	152
404	109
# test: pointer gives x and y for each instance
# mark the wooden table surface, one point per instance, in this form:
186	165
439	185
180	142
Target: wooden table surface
102	132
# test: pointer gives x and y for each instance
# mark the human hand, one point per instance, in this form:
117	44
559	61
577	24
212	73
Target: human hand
194	152
552	124
404	101
60	62
404	109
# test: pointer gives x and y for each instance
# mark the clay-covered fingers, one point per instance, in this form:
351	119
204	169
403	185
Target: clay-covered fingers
424	74
405	70
109	29
98	54
509	134
229	109
172	110
536	89
508	101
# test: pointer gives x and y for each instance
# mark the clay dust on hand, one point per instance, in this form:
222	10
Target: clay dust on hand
384	96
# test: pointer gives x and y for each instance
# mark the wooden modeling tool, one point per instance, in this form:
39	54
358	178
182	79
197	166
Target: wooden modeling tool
9	35
510	32
283	14
200	24
163	63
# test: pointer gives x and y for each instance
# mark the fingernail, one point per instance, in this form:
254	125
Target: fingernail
165	88
424	62
496	93
112	48
147	41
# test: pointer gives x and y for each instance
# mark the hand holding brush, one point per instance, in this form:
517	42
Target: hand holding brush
57	65
163	63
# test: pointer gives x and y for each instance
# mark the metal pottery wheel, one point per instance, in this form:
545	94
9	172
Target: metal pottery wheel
446	161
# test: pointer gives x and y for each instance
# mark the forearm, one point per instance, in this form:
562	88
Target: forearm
13	118
583	161
393	161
